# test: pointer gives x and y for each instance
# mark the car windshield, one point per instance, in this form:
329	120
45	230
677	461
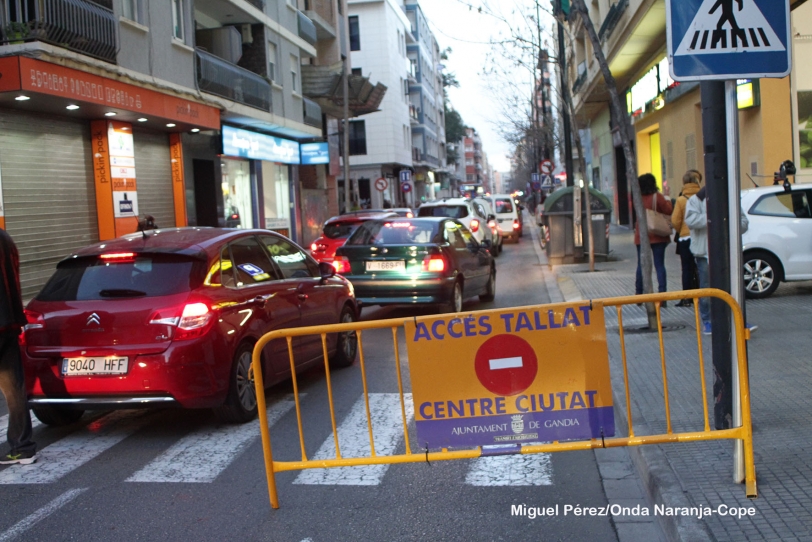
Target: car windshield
146	275
503	206
451	211
407	232
340	230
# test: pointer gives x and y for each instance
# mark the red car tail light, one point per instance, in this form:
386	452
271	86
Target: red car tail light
515	224
474	225
35	321
409	215
342	265
189	322
434	264
118	257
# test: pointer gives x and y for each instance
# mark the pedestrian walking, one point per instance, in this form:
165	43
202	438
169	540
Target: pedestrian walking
12	319
696	217
652	199
690	186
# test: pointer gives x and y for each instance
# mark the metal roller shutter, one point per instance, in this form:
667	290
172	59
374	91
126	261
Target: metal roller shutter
48	191
153	172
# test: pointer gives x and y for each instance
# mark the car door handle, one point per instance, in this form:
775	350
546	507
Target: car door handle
303	297
261	299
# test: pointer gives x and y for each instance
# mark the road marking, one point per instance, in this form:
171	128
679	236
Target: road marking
511	470
4	425
387	424
202	455
73	451
505	363
20	527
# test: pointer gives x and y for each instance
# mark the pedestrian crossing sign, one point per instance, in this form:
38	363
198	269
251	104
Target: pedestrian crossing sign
728	39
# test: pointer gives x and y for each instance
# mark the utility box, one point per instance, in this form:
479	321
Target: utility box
559	218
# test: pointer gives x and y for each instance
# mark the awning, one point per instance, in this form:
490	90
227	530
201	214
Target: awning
324	85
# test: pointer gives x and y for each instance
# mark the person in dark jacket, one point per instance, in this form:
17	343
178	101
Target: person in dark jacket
652	199
12	384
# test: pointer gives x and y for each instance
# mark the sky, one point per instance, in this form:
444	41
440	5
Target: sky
468	33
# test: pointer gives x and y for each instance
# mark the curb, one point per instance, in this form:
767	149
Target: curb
662	485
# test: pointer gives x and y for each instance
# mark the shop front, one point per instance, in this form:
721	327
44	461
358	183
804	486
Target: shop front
83	157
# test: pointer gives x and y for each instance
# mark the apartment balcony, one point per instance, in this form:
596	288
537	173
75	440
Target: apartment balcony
259	4
81	26
417	154
414	114
217	76
312	113
612	18
321	13
307	30
581	79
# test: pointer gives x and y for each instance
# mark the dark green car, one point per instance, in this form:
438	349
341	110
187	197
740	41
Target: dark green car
431	260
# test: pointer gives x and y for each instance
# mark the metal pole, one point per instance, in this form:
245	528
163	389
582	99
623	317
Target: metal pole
346	153
736	278
565	116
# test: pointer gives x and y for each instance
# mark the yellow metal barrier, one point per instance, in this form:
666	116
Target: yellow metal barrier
743	433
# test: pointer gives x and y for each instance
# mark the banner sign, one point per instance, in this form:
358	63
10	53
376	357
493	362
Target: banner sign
514	376
256	146
314	153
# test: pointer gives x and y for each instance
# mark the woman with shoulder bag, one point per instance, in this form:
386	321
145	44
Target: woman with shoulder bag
653	201
690	280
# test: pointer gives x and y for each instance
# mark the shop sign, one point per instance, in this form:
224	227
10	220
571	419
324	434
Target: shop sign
748	93
314	153
256	146
276	223
648	88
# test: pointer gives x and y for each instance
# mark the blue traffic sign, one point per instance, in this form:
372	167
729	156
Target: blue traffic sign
728	39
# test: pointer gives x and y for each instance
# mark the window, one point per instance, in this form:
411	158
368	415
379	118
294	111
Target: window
355	33
177	19
133	11
292	262
356	71
358	137
794	204
251	263
272	60
294	73
405	88
340	7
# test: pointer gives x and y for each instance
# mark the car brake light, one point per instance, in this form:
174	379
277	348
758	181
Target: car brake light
515	224
35	320
434	264
193	321
342	265
118	257
410	215
474	225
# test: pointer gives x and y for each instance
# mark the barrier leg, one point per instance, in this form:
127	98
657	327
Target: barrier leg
265	432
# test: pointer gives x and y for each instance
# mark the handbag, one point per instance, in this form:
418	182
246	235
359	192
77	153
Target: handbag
658	223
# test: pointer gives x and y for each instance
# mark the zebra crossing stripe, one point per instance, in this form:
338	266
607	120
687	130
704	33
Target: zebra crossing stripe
4	425
73	451
387	424
511	470
20	527
202	455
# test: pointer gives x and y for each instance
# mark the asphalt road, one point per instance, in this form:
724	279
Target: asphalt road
179	475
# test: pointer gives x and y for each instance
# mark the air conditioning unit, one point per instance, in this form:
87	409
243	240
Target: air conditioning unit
247	35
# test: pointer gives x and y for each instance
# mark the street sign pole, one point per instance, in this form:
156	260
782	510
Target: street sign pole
736	278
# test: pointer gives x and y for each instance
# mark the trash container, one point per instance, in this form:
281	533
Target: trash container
558	218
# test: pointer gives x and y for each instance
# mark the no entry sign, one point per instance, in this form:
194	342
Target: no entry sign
509	376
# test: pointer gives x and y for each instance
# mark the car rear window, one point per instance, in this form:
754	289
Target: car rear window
147	275
340	230
503	206
451	211
409	232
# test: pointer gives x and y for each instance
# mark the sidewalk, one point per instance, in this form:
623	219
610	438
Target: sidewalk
700	473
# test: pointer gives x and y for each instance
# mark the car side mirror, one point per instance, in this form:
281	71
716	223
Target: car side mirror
486	244
327	270
473	245
491	217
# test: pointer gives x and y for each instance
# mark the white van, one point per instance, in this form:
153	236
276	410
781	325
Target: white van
507	216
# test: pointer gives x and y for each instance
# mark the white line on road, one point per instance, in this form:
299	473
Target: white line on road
387	424
4	426
20	527
505	363
73	451
202	455
511	470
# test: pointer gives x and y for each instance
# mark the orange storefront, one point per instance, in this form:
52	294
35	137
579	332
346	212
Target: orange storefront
82	156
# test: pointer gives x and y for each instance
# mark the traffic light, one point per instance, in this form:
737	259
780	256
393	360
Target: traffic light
561	6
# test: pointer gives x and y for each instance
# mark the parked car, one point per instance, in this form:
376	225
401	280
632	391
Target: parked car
777	245
401	211
431	260
507	216
170	318
337	230
472	215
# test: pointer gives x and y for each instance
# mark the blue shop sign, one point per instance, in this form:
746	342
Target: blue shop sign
315	153
245	144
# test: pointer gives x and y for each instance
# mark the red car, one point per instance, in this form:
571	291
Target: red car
338	229
170	318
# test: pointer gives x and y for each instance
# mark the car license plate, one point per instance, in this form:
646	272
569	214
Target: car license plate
398	265
109	365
